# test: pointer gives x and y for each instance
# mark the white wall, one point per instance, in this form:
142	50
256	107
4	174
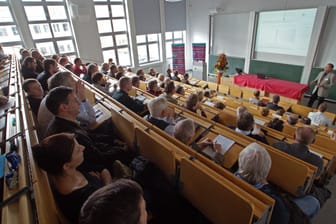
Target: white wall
198	13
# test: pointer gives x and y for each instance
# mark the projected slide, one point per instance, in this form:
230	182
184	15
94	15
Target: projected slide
285	32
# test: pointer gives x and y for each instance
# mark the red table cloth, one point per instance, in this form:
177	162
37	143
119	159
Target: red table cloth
285	88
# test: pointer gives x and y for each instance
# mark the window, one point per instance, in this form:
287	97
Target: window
9	34
176	37
148	48
49	26
113	30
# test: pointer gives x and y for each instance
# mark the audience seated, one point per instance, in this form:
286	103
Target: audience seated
219	105
241	110
276	124
274	104
55	57
63	61
153	88
292	119
100	83
121	69
264	112
246	126
141	74
305	120
39	60
69	67
121	95
136	81
168	73
161	80
104	68
193	104
184	131
160	115
92	69
256	99
152	72
185	79
318	118
24	53
119	75
175	76
78	67
180	90
101	149
35	94
169	91
254	166
28	69
70	187
113	71
86	117
50	68
304	136
120	202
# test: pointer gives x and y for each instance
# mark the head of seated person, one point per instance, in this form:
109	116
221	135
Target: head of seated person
200	95
56	57
322	107
136	81
241	110
219	105
276	124
292	119
63	61
256	94
120	202
186	76
280	112
305	135
98	78
141	74
153	87
276	99
61	79
29	63
161	78
184	131
119	75
254	164
305	120
125	84
158	107
121	69
180	90
91	69
245	121
170	88
62	102
192	102
113	70
264	112
33	88
104	68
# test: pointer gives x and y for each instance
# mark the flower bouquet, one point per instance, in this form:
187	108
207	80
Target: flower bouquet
221	66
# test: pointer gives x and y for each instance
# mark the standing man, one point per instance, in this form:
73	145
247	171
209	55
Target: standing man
323	82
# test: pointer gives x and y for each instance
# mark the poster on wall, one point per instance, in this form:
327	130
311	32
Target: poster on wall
198	52
178	58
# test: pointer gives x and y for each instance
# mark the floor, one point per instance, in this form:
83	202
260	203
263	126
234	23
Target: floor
327	215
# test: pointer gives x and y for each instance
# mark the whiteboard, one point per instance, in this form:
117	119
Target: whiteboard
285	32
230	34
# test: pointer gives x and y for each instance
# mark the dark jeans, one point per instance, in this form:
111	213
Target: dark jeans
313	98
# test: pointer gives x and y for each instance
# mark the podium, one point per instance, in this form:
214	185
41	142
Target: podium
199	70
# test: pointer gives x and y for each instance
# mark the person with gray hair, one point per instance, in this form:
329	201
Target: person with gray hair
153	88
86	117
241	110
185	130
254	166
319	118
161	115
304	136
292	119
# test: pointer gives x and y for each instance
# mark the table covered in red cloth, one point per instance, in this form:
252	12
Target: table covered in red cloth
285	88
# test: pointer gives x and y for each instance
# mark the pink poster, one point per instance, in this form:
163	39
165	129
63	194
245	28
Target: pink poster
178	58
198	51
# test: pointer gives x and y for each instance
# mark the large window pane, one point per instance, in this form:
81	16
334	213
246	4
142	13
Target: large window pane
142	53
119	25
40	31
117	10
35	13
154	54
57	12
104	26
9	34
109	54
65	46
169	53
124	56
152	37
102	11
61	29
46	48
106	41
169	35
5	14
121	39
141	39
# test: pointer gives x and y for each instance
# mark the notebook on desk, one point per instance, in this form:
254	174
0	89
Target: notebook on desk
225	143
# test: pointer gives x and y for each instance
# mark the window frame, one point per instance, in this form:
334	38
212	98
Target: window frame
147	43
